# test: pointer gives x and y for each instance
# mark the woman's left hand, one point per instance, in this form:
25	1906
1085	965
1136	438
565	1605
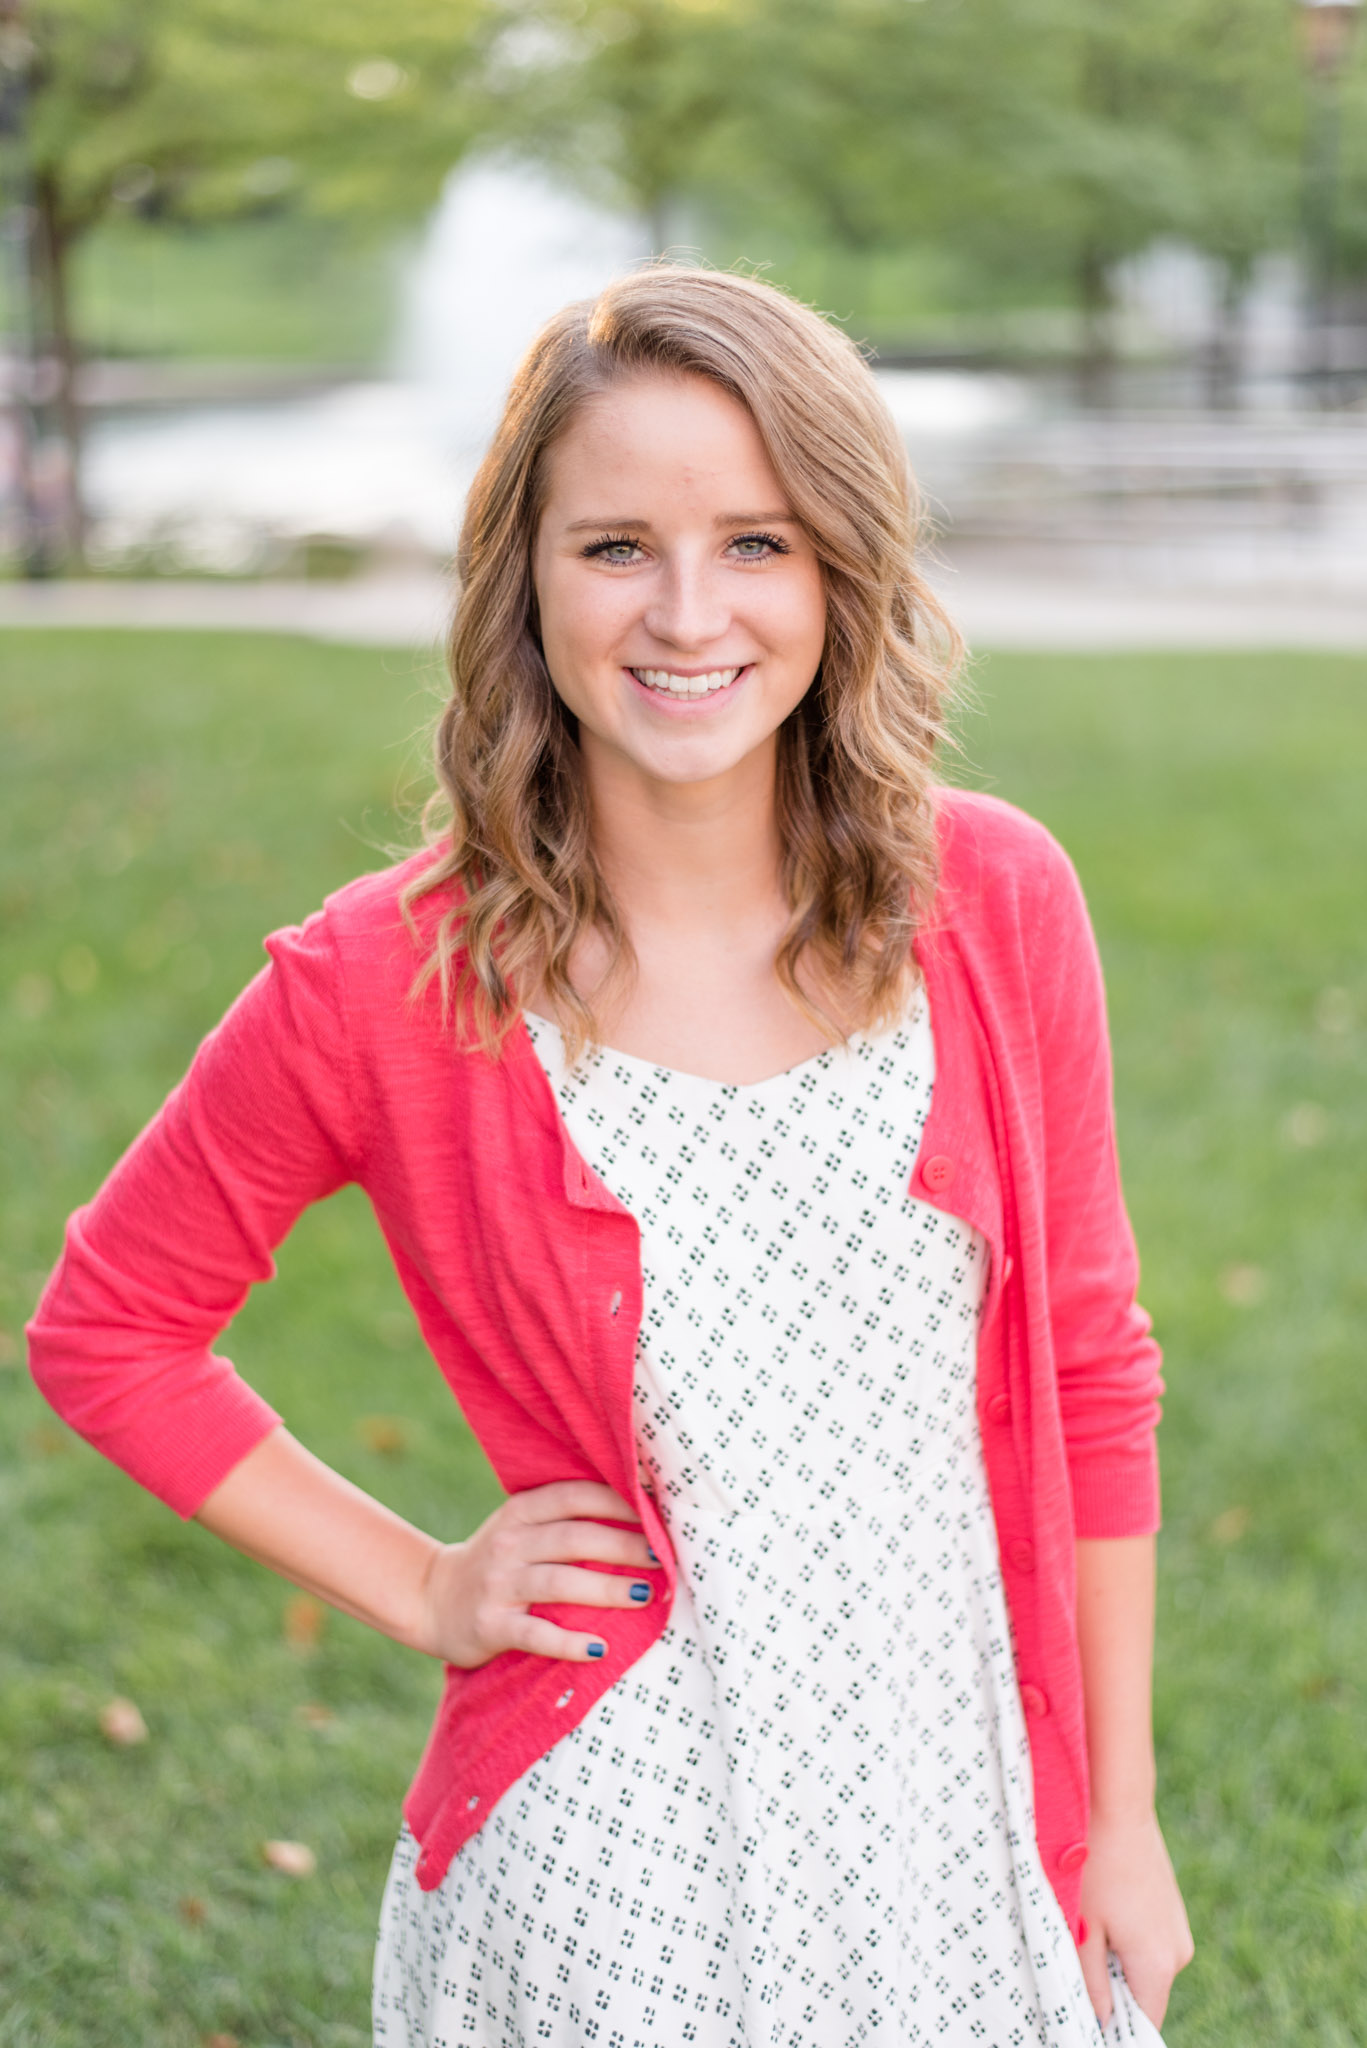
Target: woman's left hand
1132	1907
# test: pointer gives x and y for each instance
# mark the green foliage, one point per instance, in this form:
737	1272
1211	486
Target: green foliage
624	97
283	289
165	800
1017	148
210	107
1042	140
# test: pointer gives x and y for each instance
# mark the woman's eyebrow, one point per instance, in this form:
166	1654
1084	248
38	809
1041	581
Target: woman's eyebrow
607	525
620	523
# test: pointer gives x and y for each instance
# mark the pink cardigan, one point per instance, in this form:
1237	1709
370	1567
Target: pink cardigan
525	1273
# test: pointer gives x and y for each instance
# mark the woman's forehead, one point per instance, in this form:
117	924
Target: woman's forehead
665	433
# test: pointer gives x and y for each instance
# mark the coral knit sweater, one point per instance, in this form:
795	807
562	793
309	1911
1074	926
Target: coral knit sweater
525	1275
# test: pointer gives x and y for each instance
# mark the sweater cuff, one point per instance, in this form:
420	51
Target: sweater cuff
184	1428
200	1447
1116	1496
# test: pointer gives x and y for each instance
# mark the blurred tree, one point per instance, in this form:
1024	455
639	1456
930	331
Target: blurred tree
626	96
185	109
1178	118
1039	140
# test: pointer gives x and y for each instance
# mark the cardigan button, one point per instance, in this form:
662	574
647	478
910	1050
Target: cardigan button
1022	1555
999	1408
937	1173
1073	1857
1008	1268
1035	1702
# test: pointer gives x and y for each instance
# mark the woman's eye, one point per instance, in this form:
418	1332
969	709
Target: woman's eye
619	551
753	547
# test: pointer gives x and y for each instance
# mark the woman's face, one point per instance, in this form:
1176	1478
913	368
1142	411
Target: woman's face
682	608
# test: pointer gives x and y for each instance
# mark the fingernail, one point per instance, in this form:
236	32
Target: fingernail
651	1555
640	1591
598	1649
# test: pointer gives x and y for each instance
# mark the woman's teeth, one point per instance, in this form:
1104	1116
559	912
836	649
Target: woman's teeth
686	686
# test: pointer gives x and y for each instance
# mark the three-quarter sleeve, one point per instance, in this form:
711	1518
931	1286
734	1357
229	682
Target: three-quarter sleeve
162	1259
1106	1360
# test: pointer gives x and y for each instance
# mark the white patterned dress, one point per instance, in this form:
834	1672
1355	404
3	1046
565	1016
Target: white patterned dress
803	1819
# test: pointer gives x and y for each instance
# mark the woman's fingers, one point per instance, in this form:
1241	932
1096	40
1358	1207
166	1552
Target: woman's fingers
568	1499
531	1552
1095	1973
543	1639
565	1582
1131	1901
1150	1977
591	1542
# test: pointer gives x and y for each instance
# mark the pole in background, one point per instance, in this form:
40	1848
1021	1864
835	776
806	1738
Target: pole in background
1326	38
17	227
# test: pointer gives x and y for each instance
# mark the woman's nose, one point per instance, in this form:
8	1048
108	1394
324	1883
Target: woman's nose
688	607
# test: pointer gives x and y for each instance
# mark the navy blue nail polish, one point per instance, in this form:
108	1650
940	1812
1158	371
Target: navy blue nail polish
598	1649
640	1591
651	1555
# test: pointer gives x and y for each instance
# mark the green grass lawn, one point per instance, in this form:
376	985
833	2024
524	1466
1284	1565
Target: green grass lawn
164	800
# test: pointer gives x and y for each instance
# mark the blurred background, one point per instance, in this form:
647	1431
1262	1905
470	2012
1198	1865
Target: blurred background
265	268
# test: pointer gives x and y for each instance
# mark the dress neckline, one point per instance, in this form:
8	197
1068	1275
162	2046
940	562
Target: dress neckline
815	1062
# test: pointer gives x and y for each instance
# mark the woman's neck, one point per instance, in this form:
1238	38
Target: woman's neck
689	859
694	871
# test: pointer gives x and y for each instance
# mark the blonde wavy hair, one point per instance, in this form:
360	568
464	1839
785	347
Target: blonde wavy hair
855	758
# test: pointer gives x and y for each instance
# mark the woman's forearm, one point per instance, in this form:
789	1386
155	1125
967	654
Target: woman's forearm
1131	1904
289	1510
464	1602
1115	1612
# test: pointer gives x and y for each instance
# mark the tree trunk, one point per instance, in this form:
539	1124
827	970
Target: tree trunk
1096	362
52	249
1224	357
24	407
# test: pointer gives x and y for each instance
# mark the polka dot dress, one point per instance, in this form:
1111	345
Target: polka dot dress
803	1819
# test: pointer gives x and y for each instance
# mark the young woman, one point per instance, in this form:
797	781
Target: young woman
735	1101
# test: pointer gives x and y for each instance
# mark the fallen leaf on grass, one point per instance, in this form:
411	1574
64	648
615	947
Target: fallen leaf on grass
1334	1012
32	997
314	1715
48	1440
78	970
304	1621
1305	1125
383	1433
1324	1685
220	2041
121	1723
193	1912
293	1859
1231	1525
1243	1286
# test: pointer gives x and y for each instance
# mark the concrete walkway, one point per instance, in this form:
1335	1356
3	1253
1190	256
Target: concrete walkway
998	608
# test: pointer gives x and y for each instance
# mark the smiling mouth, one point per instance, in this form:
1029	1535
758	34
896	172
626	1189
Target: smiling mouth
669	684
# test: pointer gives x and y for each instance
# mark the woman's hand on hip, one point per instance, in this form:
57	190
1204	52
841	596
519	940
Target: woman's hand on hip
539	1548
1133	1908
